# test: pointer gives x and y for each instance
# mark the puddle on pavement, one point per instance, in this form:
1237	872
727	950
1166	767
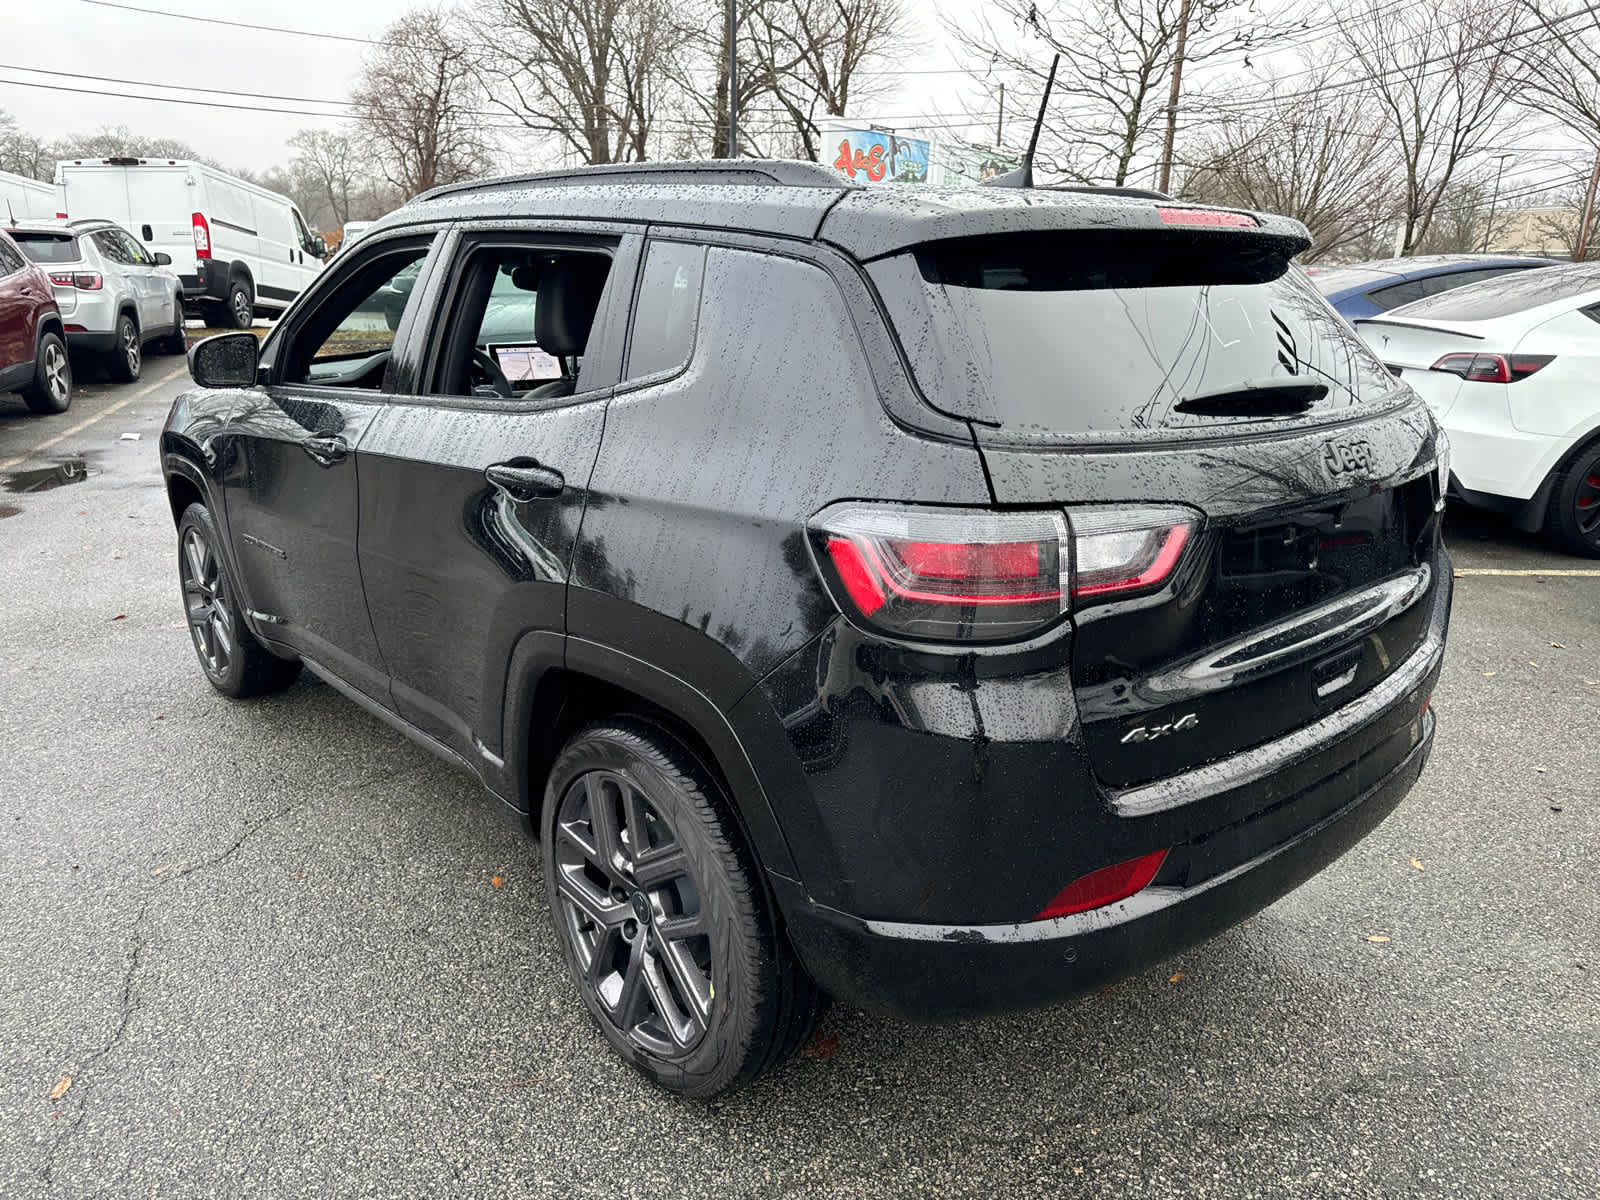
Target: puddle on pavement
42	479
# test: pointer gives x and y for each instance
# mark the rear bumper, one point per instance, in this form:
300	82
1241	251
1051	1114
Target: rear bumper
92	342
928	972
209	283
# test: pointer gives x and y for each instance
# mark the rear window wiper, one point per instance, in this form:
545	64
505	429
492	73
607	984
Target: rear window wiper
1255	400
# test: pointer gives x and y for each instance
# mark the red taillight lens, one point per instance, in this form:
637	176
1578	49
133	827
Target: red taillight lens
202	236
82	280
1105	886
973	575
1492	368
946	574
1207	217
61	278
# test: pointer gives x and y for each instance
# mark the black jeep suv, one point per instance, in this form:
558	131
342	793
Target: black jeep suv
943	600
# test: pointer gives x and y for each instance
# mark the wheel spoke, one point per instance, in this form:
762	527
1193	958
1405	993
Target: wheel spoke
196	555
633	997
676	928
661	867
603	820
633	814
597	906
692	986
219	634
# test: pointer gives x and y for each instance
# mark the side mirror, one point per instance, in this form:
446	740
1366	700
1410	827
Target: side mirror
226	360
163	259
321	244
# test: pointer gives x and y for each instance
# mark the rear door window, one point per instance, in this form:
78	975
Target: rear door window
109	243
1117	335
668	309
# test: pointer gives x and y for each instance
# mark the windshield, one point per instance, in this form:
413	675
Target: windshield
47	248
1107	335
1507	294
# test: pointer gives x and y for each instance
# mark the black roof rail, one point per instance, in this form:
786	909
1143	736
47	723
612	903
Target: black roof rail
747	172
1108	190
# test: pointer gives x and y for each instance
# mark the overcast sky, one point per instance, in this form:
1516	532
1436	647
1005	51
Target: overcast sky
152	46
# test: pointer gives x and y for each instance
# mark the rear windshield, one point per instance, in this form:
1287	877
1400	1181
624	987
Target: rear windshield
1507	294
1105	334
47	247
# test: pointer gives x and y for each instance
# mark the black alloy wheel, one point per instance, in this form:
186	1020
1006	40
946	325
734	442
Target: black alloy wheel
1574	515
127	356
51	389
236	664
660	915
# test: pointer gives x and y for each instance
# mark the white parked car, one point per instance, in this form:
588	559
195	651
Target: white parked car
114	295
1511	369
238	248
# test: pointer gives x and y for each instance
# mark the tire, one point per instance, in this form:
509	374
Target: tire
239	312
236	664
176	342
699	1013
1573	518
51	389
214	315
126	359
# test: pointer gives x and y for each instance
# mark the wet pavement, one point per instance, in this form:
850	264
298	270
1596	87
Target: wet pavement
256	949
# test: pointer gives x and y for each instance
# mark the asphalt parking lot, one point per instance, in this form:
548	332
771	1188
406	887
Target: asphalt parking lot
273	950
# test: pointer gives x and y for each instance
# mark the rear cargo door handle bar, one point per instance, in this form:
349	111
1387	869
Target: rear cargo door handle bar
327	450
523	481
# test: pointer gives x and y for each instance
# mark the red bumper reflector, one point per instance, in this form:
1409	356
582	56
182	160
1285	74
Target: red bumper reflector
1105	886
1207	217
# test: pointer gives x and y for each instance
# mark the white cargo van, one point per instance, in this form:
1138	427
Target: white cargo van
24	199
238	248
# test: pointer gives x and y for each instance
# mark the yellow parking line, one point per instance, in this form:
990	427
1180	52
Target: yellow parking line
84	424
1587	574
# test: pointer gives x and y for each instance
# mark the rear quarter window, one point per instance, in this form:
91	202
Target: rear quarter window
668	309
1101	335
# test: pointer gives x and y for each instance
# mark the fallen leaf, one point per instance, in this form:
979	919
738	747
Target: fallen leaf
1555	808
1558	645
496	880
1487	674
1542	770
822	1046
60	1089
162	870
120	617
1377	937
1178	976
1418	865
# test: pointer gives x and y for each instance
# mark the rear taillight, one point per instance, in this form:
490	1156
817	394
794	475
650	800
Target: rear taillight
82	280
1492	368
971	575
202	236
1105	886
60	216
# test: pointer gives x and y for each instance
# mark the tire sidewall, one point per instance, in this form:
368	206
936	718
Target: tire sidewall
120	366
719	1059
1565	502
235	289
39	398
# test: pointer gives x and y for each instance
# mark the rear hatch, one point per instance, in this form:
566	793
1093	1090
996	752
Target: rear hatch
56	253
1410	348
154	201
1105	371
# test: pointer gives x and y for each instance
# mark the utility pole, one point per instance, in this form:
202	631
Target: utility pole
1000	125
1494	198
733	78
1172	96
1581	251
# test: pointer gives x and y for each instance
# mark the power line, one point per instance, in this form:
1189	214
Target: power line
156	12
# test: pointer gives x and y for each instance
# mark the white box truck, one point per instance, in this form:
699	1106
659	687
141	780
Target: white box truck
238	248
24	199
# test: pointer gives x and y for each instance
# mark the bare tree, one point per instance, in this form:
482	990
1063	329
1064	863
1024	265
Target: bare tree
590	73
325	161
112	140
1314	151
22	153
1442	77
419	105
1109	104
1562	57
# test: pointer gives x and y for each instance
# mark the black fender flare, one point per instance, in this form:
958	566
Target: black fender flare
540	652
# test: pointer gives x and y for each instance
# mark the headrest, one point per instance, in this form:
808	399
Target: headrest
569	294
525	277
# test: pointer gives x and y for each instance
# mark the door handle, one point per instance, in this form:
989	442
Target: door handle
524	481
326	450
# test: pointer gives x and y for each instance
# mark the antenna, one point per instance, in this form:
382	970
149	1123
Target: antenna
9	213
1022	177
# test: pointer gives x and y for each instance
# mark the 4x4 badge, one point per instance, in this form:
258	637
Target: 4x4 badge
1149	733
1347	456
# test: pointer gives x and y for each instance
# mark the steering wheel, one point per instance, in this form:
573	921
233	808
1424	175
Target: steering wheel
485	362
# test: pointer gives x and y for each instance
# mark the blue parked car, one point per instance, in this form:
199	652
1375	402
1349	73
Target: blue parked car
1369	288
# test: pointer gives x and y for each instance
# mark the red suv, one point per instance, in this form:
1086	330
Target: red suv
33	348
